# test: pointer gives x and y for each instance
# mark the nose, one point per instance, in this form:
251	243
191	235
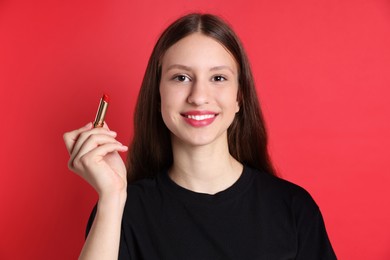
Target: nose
199	94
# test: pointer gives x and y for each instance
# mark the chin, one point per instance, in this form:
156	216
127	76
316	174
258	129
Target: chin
199	140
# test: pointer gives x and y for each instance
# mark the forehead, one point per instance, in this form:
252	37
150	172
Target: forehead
198	49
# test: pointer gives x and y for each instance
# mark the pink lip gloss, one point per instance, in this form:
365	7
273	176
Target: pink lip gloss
199	118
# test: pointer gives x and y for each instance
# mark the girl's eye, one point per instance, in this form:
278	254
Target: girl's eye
219	78
182	78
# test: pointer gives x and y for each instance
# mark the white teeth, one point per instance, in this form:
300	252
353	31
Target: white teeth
200	117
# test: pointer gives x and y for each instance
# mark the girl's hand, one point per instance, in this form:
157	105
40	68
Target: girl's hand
94	156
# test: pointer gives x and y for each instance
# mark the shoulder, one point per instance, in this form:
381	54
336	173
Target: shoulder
287	202
277	189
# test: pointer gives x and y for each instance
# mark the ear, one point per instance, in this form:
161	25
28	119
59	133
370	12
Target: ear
239	100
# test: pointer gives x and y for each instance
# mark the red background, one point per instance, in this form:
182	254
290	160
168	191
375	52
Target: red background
322	72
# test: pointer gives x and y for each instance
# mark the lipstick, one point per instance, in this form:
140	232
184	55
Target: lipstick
101	113
199	118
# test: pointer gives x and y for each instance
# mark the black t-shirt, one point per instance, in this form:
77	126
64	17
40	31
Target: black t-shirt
259	217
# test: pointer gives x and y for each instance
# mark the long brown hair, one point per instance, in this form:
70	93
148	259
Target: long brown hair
151	150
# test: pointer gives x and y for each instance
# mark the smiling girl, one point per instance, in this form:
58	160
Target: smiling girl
199	184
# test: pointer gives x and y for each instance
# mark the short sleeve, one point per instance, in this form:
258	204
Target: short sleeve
90	220
313	240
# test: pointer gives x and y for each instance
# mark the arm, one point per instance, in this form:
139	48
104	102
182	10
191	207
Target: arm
94	156
103	239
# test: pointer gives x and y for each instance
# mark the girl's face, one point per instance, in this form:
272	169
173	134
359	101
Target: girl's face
198	89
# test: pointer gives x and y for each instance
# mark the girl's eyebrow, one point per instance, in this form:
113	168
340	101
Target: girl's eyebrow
187	68
178	66
222	67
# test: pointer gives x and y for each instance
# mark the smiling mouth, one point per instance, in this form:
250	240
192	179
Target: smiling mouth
200	117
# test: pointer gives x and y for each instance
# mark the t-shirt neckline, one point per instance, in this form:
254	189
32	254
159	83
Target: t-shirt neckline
238	187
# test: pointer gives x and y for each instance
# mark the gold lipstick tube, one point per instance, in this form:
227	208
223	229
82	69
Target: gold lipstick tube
101	113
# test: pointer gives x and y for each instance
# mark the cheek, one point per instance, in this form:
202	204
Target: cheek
164	108
167	101
163	102
230	100
167	107
164	97
165	116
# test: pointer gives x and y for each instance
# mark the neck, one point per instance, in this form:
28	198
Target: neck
205	169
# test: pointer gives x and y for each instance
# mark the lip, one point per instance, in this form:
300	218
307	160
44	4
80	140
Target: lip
198	118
